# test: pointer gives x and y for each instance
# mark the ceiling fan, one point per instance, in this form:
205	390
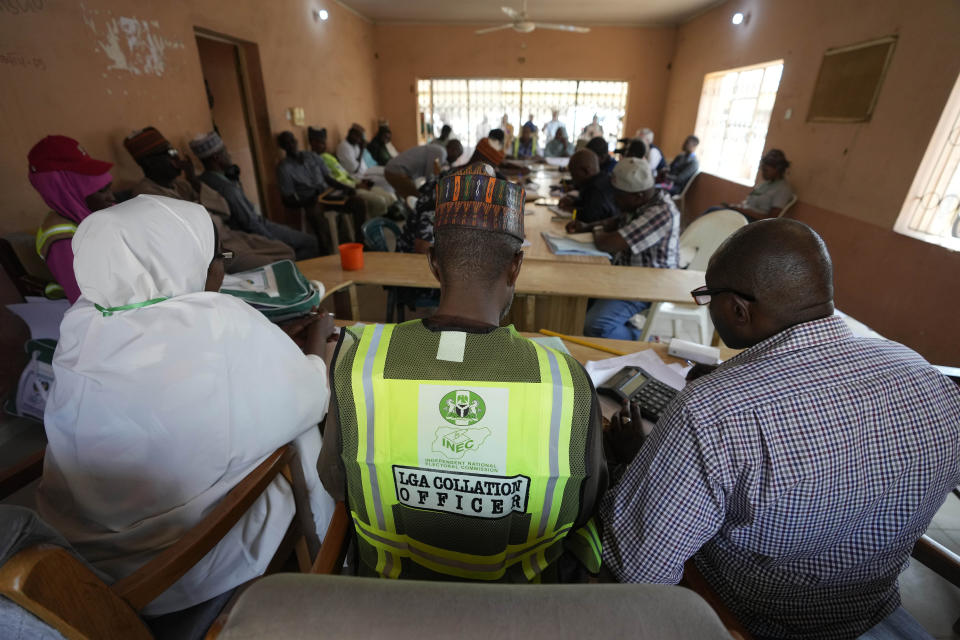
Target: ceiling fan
520	24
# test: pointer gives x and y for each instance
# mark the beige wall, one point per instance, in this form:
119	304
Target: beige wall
71	68
862	170
407	52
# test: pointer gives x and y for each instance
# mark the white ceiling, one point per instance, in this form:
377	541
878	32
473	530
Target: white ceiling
611	12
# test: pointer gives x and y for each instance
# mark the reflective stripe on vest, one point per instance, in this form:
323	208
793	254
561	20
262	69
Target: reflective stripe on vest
47	236
518	460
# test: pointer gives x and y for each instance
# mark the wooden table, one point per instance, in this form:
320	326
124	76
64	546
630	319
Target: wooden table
567	285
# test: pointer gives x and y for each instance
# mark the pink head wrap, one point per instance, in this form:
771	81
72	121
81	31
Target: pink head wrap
65	191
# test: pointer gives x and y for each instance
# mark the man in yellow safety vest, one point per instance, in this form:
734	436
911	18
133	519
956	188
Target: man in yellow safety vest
463	449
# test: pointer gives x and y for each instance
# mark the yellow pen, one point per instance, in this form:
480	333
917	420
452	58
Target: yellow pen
574	216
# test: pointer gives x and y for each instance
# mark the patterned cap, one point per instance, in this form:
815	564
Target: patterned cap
146	142
206	145
474	199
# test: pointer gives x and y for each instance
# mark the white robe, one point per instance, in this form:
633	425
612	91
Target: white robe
157	413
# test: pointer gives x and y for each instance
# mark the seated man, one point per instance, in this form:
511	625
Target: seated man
376	199
524	146
350	151
654	154
303	178
683	167
444	136
595	199
772	193
600	147
419	163
645	235
380	147
800	473
221	175
560	146
483	459
162	166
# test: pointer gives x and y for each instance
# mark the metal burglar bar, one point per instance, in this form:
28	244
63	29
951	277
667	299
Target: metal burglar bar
474	106
931	211
733	117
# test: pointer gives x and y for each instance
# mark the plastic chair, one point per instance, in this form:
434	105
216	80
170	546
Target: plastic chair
681	198
374	236
697	244
792	201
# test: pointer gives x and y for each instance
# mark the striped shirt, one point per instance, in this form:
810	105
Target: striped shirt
798	475
652	233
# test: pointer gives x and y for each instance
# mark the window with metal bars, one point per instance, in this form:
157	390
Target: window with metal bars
931	210
732	119
472	107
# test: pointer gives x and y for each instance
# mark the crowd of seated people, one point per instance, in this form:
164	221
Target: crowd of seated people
782	449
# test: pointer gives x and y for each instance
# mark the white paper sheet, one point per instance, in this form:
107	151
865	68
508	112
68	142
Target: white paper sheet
42	316
673	375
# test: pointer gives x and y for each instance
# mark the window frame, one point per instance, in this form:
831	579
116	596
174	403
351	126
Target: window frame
702	129
942	151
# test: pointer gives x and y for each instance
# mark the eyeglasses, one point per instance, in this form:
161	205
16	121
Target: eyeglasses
702	295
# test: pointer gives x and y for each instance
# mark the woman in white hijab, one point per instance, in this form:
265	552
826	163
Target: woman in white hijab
166	395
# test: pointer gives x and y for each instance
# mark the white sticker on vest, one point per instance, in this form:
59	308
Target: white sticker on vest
462	428
469	494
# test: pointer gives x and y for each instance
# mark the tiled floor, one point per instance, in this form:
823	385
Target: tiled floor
933	601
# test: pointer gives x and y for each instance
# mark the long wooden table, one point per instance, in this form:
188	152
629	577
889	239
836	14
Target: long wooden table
567	285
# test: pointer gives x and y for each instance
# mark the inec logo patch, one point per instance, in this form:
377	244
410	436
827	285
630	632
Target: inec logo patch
462	408
453	443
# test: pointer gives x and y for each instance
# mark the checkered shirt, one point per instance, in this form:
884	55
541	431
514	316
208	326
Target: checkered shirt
652	233
798	475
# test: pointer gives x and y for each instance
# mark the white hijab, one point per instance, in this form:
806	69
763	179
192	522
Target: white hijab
157	411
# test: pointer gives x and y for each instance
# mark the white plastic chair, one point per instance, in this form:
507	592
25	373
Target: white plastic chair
697	244
681	198
792	201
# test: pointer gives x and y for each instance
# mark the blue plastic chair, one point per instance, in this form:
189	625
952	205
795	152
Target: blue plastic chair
373	233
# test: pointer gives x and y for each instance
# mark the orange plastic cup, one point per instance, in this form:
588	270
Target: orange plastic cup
351	256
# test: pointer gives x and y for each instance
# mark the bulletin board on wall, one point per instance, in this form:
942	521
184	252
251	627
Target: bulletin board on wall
850	80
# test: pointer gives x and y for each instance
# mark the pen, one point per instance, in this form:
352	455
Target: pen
574	216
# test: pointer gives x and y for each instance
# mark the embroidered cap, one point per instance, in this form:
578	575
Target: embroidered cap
206	145
475	199
146	142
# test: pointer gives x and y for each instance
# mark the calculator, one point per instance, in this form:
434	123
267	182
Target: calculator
635	384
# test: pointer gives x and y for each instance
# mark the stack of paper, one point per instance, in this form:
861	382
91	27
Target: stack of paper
578	244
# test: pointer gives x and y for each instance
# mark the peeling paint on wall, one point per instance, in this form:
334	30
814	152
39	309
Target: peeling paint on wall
131	45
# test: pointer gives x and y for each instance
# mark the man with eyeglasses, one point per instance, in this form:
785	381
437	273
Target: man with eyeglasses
162	168
799	474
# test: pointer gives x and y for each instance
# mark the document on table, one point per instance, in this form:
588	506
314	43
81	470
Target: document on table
42	316
560	213
577	244
673	375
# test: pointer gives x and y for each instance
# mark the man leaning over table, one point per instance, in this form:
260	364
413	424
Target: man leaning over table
466	450
799	474
644	234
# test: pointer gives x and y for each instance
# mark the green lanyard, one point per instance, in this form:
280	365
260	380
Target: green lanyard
108	311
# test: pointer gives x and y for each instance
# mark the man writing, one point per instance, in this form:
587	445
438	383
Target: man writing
221	175
419	162
801	472
162	167
646	234
466	450
595	200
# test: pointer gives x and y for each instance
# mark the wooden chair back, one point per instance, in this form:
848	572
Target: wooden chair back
61	591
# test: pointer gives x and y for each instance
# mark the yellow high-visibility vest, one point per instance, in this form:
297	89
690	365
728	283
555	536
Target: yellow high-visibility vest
467	478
